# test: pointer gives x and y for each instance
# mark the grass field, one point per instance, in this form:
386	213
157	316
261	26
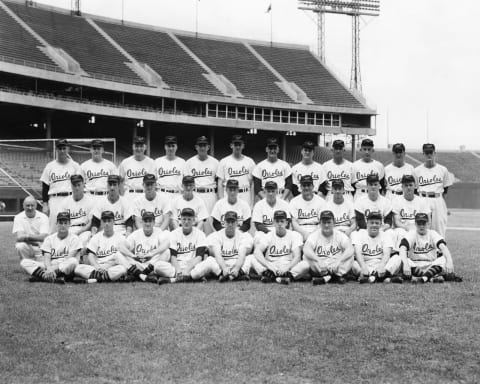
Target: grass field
241	332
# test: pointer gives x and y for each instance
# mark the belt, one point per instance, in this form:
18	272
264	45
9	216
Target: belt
397	192
362	190
168	190
241	190
205	190
136	190
78	225
61	194
430	194
98	193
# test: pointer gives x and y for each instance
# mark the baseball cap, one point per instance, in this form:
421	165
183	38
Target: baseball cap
421	217
278	215
170	140
398	148
76	178
338	183
408	179
306	179
187	212
326	215
62	143
271	185
149	178
367	143
231	215
113	179
107	215
374	216
272	142
308	145
338	144
63	216
237	139
96	143
232	183
138	140
428	147
187	179
372	179
148	216
202	140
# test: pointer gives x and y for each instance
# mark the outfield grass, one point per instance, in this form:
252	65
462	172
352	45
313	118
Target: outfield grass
241	332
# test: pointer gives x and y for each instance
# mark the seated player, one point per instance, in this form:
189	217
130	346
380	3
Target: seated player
146	251
231	203
59	255
328	252
104	261
229	248
341	208
373	248
424	255
278	253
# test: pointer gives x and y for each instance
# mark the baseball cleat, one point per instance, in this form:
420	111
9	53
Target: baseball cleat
340	280
363	279
223	278
283	280
438	279
165	280
452	277
142	277
81	280
266	279
419	280
318	281
397	280
35	279
151	279
59	280
243	277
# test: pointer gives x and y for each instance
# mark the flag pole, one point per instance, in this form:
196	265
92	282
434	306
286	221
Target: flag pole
196	18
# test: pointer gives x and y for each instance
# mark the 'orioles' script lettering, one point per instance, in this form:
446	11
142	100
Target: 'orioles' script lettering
202	172
377	251
273	251
363	176
307	214
426	248
168	172
394	181
57	253
327	251
429	181
336	176
54	178
136	174
97	175
181	248
229	252
407	215
106	251
271	175
312	174
267	220
237	172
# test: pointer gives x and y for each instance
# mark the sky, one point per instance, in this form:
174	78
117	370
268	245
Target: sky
420	60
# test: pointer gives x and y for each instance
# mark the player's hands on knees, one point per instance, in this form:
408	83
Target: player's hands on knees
50	275
282	271
407	271
381	270
365	271
234	272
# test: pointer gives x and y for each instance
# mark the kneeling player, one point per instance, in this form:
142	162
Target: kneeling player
373	248
59	254
277	254
229	248
328	252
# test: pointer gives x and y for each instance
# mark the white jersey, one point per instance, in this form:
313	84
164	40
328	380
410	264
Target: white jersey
96	173
329	247
197	204
158	206
307	213
80	211
186	245
277	171
236	169
222	206
133	171
204	171
344	214
102	246
342	171
433	179
122	210
230	246
59	248
366	206
143	246
281	248
37	225
263	212
408	209
394	174
170	172
372	247
423	247
362	169
315	170
57	176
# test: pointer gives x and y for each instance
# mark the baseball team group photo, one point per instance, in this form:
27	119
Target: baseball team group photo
174	203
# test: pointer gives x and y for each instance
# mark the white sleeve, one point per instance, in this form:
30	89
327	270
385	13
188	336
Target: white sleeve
45	175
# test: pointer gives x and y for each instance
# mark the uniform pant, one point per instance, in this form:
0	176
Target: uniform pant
210	266
160	263
28	251
209	198
333	266
372	266
439	214
297	271
54	203
110	263
64	265
397	234
421	265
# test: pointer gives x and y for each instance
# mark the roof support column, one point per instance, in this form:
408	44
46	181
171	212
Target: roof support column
211	134
284	147
354	148
147	136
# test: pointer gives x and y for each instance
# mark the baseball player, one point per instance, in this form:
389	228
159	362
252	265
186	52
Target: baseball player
96	170
151	201
339	168
59	255
30	227
188	199
305	208
395	171
433	181
170	169
372	252
366	166
231	203
238	167
328	252
146	251
342	208
272	169
133	168
278	253
309	167
105	263
120	206
229	248
56	181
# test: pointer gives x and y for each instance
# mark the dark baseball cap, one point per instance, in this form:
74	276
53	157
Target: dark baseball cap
272	142
326	215
113	179
374	216
278	215
372	179
367	143
232	183
96	143
202	140
149	178
231	215
338	183
187	212
187	179
308	145
76	178
271	185
338	144
398	148
237	139
428	147
148	216
421	217
408	179
107	215
306	179
62	143
170	140
138	140
63	216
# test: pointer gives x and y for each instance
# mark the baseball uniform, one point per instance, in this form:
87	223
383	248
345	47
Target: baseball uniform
133	171
37	225
81	212
122	209
406	210
344	214
222	206
361	170
169	174
307	213
263	212
204	172
343	171
158	206
315	170
241	170
393	178
276	171
95	175
186	246
372	249
197	204
364	205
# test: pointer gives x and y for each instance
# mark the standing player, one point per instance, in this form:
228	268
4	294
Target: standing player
306	208
364	167
56	181
339	168
59	255
133	168
433	181
31	227
96	170
231	203
342	209
272	169
311	168
396	170
151	201
238	167
170	169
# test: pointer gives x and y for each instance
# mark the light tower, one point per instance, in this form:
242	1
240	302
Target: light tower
75	8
